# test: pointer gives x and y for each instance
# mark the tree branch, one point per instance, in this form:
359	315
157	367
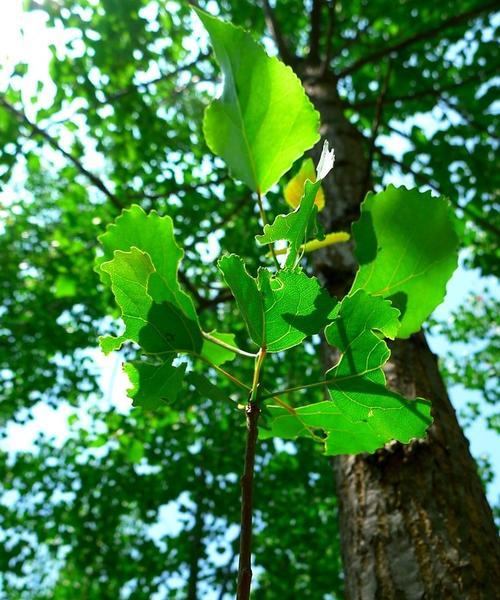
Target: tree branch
425	180
432	91
329	36
418	37
377	120
275	31
315	32
163	77
36	130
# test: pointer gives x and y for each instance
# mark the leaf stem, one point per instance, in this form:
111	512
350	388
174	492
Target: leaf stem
246	482
264	223
223	344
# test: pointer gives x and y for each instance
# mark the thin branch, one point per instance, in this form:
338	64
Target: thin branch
469	119
36	130
425	180
163	77
264	223
432	91
315	32
252	418
275	31
329	36
377	121
418	37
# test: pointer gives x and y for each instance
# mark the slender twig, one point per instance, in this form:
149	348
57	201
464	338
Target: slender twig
265	222
252	417
275	31
297	389
315	31
431	91
161	78
98	183
222	344
377	121
418	37
425	180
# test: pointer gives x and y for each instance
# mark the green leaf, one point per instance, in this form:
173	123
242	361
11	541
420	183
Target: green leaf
158	315
280	310
363	414
295	306
152	384
294	226
357	382
263	121
246	293
153	235
151	316
342	435
407	248
216	354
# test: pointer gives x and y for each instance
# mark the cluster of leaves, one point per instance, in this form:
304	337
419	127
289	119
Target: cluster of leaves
402	258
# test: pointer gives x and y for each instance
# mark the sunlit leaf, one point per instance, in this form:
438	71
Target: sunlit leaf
362	414
280	310
294	226
406	247
263	121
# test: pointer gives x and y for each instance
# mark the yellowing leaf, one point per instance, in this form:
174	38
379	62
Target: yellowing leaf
294	189
335	237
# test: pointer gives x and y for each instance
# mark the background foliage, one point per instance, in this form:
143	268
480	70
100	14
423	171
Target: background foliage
133	503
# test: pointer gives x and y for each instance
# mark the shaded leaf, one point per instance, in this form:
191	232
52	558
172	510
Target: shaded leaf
153	383
216	354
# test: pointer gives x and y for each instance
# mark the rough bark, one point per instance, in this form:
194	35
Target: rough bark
414	520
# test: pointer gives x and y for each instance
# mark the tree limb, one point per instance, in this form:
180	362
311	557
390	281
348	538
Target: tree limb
377	121
315	32
426	180
329	36
275	31
163	77
36	130
432	91
418	37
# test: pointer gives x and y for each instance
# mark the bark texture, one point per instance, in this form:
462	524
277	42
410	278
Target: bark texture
414	520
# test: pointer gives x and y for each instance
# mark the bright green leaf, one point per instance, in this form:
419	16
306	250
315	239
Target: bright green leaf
362	414
357	382
152	318
343	436
406	247
263	121
153	235
295	306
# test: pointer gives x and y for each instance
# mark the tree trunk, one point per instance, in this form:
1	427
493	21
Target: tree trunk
414	520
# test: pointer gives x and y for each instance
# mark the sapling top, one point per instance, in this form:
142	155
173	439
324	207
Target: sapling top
405	245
